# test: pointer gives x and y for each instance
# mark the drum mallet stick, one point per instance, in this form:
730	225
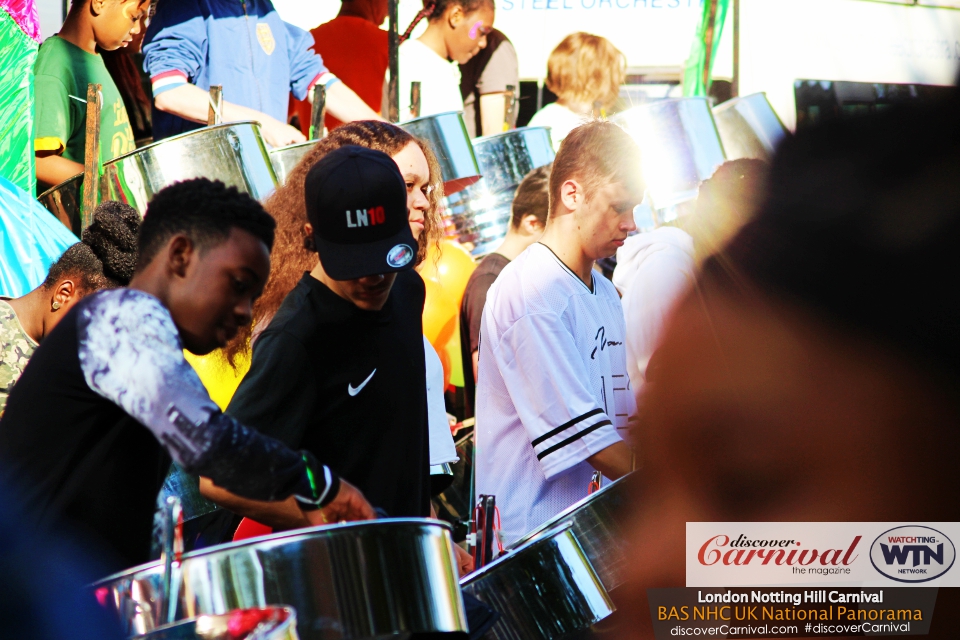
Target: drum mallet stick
172	549
509	103
415	99
392	109
91	156
215	112
318	112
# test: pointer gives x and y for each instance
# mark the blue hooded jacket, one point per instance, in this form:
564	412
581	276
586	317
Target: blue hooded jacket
242	45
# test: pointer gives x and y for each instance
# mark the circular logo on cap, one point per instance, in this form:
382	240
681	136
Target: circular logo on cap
399	256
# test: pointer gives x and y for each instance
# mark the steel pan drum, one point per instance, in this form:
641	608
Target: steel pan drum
481	213
233	153
598	522
284	159
749	127
450	141
279	623
543	590
380	579
680	145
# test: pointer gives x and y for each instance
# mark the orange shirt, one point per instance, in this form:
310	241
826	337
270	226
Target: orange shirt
355	51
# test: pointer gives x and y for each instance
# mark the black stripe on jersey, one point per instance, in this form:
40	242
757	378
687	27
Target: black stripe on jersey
565	426
593	285
573	438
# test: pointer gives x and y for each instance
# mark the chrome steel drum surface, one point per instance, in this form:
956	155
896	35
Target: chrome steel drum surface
448	137
284	159
233	153
749	127
280	624
598	523
680	145
543	590
380	579
481	213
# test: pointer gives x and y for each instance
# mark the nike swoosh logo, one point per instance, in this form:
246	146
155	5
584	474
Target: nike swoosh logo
355	390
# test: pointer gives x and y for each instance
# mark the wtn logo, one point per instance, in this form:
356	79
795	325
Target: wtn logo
899	553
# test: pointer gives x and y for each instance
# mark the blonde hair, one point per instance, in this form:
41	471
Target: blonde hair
585	68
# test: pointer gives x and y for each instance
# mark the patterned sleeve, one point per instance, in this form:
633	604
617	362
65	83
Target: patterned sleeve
130	354
550	389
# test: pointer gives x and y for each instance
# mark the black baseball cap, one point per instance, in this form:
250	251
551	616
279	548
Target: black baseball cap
357	203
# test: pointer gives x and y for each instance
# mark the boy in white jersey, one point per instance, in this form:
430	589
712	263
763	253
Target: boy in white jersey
553	396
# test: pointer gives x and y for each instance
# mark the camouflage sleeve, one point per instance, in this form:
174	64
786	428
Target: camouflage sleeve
130	353
15	350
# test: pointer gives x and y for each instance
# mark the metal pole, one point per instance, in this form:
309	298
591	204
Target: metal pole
91	157
318	112
215	110
415	99
393	101
735	85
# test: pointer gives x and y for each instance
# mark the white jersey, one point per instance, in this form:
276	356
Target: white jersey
552	389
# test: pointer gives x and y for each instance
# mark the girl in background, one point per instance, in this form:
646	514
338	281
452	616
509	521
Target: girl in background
585	71
456	31
104	259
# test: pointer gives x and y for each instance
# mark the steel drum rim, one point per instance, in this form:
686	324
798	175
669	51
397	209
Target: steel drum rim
290	146
543	538
732	102
307	532
554	523
225	125
432	116
665	101
494	136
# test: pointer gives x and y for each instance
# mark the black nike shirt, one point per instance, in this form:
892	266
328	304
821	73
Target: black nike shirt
350	386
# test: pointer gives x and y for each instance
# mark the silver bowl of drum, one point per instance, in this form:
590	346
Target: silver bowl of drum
749	127
448	137
481	213
284	159
545	589
680	145
598	522
267	623
233	153
379	579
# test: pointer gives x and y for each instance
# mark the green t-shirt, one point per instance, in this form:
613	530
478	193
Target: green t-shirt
16	347
63	70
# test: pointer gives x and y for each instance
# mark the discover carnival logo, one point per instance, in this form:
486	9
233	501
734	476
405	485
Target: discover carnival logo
912	554
731	554
743	551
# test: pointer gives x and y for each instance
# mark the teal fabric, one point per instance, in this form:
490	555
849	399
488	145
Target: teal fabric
31	239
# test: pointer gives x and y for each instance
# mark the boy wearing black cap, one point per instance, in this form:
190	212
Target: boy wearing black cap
340	370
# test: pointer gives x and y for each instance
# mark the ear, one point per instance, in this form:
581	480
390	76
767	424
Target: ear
64	293
180	253
455	15
308	242
96	6
531	225
571	195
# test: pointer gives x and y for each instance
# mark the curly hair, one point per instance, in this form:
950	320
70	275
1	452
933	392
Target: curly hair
586	68
289	258
106	255
206	211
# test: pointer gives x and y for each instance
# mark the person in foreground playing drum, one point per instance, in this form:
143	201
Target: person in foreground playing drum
552	390
108	398
814	374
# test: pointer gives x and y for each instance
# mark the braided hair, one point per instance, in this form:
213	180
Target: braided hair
106	255
434	9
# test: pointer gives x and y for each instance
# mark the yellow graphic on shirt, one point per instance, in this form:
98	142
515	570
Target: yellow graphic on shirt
265	38
122	140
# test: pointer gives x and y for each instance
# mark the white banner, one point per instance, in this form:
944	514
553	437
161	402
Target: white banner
866	554
785	40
